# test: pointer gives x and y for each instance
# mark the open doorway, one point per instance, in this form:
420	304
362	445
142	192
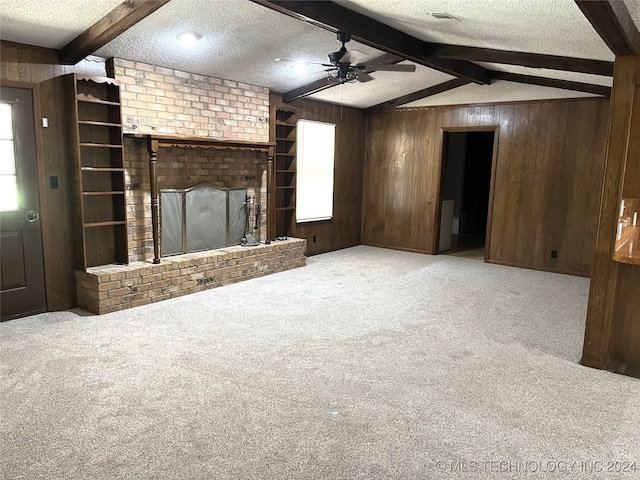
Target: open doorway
465	191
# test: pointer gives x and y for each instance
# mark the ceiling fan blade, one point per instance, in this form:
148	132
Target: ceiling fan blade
286	60
384	67
364	77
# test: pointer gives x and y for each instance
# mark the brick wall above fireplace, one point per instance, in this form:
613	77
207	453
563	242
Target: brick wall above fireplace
167	101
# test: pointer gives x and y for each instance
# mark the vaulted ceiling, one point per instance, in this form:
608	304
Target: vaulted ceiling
494	50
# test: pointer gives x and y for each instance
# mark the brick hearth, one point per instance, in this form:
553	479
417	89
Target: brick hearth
111	288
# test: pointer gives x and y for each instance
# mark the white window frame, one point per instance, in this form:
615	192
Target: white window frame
315	148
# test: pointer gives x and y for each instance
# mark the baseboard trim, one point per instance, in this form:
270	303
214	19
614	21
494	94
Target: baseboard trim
395	247
541	269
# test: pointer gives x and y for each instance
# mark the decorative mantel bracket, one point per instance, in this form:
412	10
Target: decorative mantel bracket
155	141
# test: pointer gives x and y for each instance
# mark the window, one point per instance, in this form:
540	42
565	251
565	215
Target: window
314	172
8	183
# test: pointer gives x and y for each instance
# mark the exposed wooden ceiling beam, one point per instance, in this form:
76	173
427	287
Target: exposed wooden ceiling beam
368	31
535	60
614	24
552	82
121	18
427	92
324	83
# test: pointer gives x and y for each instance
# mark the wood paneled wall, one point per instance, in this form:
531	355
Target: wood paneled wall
547	178
29	64
34	68
343	230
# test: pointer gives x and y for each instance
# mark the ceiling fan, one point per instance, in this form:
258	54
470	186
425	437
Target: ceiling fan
342	70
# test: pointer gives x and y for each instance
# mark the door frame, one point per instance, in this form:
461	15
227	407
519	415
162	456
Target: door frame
438	210
39	170
45	225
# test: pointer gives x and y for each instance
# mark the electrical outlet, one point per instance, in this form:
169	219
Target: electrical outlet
554	253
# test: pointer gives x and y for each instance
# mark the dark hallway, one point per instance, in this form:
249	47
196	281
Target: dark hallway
465	189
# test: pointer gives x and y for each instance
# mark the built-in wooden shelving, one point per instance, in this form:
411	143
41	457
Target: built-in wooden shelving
285	172
96	126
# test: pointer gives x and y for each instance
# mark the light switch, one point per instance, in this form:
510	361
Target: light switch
45	122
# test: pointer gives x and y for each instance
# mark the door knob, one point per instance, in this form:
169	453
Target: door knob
32	216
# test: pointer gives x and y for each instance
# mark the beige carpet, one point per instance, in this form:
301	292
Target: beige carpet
366	364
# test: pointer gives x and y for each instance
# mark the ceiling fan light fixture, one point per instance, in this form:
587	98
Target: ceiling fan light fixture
337	77
188	39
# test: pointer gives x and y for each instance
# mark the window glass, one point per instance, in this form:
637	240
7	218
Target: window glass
8	180
315	144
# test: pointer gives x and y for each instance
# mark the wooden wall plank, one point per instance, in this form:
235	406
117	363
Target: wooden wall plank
463	115
498	237
435	178
431	184
42	66
9	60
595	184
487	115
525	243
581	181
555	227
24	64
474	115
543	183
564	207
515	182
56	202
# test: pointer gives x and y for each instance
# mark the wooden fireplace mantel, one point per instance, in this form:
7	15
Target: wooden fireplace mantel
204	142
155	141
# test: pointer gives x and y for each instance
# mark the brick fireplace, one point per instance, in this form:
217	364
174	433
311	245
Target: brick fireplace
160	101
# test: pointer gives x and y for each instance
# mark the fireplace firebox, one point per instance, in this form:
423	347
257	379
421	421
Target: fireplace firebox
202	217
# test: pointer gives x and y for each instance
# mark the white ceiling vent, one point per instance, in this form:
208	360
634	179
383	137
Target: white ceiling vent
443	16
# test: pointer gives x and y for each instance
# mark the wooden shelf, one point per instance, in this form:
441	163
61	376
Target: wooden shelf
105	224
102	169
100	124
97	101
96	194
100	145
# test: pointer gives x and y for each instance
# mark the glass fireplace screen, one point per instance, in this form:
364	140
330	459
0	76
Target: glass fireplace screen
202	217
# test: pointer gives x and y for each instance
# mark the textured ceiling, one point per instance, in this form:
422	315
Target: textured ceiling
50	23
555	27
241	40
